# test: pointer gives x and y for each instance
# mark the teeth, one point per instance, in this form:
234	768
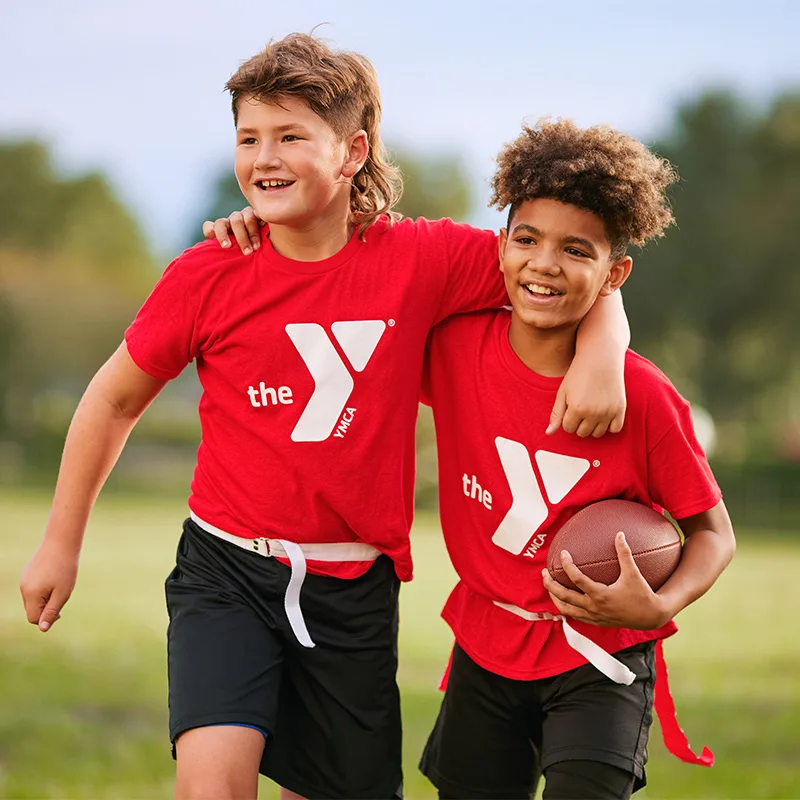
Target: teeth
272	183
536	289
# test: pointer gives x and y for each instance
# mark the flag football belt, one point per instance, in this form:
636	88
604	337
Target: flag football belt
297	554
674	736
592	652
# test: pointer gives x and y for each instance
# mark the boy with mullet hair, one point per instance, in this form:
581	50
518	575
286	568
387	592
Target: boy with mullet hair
528	692
283	601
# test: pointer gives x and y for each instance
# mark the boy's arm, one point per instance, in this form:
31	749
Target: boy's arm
591	399
113	402
630	602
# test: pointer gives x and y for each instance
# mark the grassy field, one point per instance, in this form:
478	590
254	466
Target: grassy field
83	708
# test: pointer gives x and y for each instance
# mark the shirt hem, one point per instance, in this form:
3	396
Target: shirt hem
697	508
551	670
152	371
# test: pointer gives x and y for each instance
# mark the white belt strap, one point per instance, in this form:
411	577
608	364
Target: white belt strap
604	662
297	555
291	600
594	654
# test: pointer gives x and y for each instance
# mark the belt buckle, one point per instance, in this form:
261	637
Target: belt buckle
257	546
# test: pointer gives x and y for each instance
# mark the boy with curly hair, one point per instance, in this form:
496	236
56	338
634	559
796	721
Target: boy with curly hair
282	641
530	693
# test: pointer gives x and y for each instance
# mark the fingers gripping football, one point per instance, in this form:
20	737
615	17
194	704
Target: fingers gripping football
629	602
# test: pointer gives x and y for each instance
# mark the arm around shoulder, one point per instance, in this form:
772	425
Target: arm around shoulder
591	400
113	402
605	328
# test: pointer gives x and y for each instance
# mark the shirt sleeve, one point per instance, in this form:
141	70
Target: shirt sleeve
680	478
163	338
474	281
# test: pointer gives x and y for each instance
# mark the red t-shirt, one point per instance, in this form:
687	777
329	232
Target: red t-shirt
491	412
311	376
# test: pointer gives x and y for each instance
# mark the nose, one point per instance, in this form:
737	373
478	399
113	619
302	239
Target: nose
267	156
545	263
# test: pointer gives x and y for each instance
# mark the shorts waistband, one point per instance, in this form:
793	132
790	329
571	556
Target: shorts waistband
297	555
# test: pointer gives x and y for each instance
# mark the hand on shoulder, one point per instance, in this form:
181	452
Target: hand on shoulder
245	226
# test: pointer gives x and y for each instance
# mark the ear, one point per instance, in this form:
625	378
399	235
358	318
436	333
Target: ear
502	241
356	153
617	275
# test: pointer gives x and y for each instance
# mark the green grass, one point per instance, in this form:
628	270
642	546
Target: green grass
83	708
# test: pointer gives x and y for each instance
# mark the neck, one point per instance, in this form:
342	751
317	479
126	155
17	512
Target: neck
546	351
314	241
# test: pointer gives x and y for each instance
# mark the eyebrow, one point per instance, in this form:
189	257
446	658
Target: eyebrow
528	228
290	126
567	239
279	129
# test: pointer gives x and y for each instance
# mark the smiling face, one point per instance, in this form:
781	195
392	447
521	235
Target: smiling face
556	260
291	166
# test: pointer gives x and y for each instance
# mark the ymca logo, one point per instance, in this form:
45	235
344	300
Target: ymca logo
559	475
333	383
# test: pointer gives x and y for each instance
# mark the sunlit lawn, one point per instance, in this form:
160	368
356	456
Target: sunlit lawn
83	708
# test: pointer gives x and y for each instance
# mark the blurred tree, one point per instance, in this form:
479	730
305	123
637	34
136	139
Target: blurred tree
434	186
79	219
9	335
74	267
715	302
226	198
28	191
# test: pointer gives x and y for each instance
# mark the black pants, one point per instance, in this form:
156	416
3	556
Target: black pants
331	713
580	780
495	737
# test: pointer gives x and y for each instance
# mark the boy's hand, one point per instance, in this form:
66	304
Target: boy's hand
589	402
629	602
47	583
244	224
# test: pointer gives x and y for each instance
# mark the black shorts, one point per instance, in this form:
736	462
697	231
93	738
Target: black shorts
494	736
332	712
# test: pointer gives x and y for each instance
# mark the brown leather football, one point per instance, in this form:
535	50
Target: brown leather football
589	535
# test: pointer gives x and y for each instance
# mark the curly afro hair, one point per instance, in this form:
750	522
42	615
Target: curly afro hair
597	169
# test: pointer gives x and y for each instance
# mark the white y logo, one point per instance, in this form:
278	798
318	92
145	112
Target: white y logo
332	381
560	474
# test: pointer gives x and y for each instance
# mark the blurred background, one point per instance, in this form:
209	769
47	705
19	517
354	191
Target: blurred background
116	142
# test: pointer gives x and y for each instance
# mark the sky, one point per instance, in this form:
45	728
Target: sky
135	89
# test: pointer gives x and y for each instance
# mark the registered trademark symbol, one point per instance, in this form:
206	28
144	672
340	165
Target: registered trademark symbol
391	323
595	463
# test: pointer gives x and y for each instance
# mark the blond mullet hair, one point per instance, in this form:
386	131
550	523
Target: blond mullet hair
340	87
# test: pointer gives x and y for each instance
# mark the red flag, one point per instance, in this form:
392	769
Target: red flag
674	737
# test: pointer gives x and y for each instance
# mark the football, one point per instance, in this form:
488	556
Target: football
589	536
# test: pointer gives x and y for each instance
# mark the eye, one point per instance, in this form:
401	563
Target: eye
526	240
290	137
248	140
573	251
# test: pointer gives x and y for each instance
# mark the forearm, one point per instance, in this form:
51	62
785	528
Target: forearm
106	414
604	331
705	555
96	436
